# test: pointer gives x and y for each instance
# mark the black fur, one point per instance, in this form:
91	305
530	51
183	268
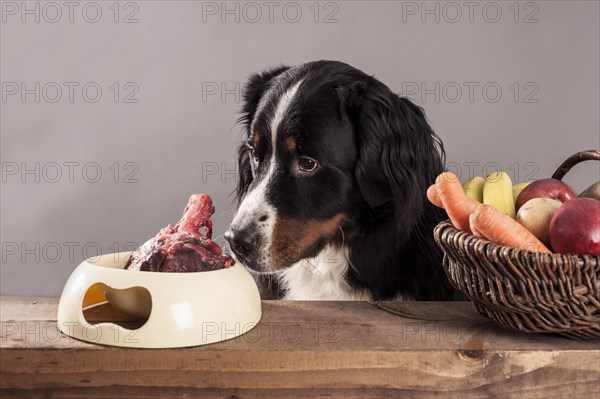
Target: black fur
379	157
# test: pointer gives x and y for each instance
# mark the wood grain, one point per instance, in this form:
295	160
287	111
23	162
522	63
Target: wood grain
302	349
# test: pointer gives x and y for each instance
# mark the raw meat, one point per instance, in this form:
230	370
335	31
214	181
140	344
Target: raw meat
183	248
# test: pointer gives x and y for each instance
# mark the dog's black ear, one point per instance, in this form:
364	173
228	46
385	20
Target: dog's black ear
399	155
244	172
253	91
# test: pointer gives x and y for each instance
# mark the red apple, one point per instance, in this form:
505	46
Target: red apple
575	227
545	188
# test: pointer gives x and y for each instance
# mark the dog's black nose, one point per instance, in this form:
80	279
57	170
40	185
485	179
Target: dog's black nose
243	241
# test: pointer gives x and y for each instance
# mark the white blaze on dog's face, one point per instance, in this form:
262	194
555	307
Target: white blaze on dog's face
255	208
301	188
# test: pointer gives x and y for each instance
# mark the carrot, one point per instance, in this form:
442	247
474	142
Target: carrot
457	204
433	197
474	230
500	228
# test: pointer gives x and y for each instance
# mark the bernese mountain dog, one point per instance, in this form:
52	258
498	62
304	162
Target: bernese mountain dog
332	201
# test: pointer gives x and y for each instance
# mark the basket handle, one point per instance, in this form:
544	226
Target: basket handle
565	167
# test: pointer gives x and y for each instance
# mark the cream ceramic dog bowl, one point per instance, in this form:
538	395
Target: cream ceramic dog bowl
183	309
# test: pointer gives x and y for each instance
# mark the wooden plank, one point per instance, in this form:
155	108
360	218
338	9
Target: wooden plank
302	349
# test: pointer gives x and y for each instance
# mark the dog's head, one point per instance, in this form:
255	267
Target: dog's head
329	151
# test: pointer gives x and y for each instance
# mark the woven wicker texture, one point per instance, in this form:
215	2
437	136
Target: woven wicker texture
522	290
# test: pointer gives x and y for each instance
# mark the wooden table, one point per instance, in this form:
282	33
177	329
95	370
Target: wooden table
303	349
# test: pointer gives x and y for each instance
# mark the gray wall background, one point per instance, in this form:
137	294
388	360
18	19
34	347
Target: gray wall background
180	67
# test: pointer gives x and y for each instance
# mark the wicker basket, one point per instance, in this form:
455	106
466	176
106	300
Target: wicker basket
522	290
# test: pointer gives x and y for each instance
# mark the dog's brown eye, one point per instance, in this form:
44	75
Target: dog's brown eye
306	164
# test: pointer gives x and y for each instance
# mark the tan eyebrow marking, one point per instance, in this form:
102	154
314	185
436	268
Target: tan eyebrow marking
255	140
289	143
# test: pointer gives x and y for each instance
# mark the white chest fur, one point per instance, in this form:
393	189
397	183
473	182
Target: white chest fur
321	278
